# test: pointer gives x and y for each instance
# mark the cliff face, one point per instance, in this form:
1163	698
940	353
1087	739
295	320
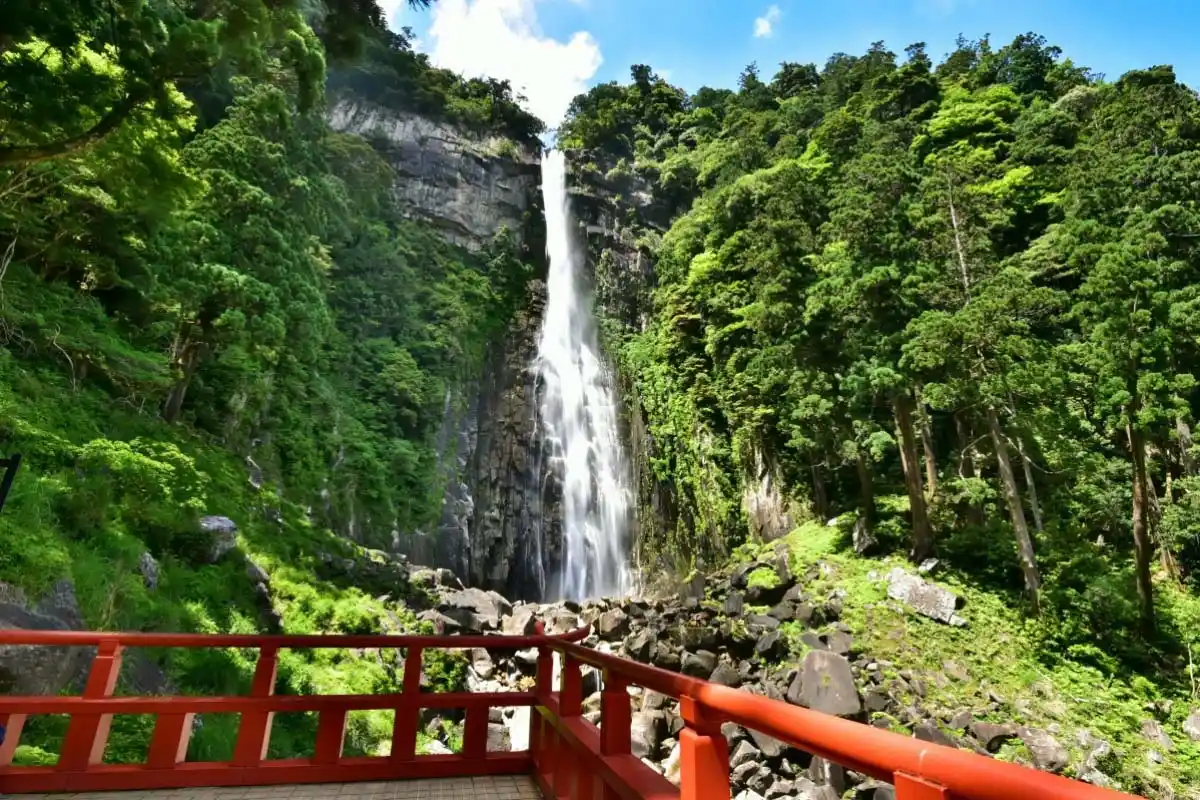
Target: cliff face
466	186
498	524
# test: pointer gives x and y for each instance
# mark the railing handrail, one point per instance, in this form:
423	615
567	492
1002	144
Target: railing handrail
17	636
878	753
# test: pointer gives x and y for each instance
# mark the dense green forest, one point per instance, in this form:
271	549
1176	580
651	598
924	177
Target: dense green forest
973	284
209	304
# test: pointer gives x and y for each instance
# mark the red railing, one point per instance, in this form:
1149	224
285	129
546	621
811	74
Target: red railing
568	756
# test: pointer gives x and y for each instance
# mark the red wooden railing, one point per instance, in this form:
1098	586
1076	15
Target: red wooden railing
568	756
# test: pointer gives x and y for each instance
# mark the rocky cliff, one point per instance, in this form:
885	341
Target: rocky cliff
497	528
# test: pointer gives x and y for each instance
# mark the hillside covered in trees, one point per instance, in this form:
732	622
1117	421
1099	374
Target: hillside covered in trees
954	302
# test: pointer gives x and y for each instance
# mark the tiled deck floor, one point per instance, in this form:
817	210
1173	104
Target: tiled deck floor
516	787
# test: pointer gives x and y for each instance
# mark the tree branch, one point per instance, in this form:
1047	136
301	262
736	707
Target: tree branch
31	154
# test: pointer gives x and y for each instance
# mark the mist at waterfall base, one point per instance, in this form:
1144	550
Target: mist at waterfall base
578	416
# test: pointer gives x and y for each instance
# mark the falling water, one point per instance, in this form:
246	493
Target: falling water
578	414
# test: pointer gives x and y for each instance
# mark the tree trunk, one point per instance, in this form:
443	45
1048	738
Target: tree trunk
820	496
1185	446
1027	467
187	363
966	464
922	539
866	489
1025	554
1142	546
931	477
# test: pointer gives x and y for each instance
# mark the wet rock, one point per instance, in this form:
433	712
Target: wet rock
1046	751
826	684
148	566
699	665
613	624
223	533
992	736
1153	731
923	597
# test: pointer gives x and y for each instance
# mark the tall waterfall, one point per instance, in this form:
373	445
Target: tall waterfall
579	414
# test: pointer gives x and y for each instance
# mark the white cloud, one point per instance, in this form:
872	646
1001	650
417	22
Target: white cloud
764	26
502	39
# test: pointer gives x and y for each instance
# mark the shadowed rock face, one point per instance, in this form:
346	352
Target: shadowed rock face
41	670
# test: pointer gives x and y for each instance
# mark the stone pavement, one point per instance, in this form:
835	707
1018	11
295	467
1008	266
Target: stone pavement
509	787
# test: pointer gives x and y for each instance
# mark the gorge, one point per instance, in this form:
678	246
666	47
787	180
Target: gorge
324	340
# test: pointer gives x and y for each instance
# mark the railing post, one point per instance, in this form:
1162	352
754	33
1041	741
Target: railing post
169	744
254	731
331	736
570	696
408	711
475	731
13	724
910	787
87	734
615	715
703	755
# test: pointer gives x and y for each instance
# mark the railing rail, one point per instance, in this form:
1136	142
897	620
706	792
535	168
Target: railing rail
81	764
918	770
568	756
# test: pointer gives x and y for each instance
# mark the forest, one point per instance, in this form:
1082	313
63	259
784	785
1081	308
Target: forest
967	290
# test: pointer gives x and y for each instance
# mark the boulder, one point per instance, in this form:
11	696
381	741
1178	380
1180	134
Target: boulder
928	732
1046	751
745	752
698	637
862	538
1191	725
1094	749
482	664
255	573
670	767
837	642
726	675
523	622
769	746
498	738
741	575
647	729
828	773
475	609
666	658
925	598
734	604
28	670
826	684
148	566
699	665
640	645
1153	731
223	533
442	625
613	624
770	645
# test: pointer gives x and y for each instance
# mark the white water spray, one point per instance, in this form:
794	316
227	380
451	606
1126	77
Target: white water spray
579	414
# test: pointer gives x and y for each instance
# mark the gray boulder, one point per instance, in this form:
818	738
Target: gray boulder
148	566
1191	725
482	664
699	665
647	730
1153	731
925	598
498	738
726	675
223	531
771	747
28	670
1048	754
928	732
523	622
992	736
475	609
828	773
826	684
640	645
255	573
613	624
770	646
744	753
734	604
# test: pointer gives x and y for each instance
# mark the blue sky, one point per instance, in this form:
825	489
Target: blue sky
556	48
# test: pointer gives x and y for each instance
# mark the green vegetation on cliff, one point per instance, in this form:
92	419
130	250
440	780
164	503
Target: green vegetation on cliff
211	305
956	302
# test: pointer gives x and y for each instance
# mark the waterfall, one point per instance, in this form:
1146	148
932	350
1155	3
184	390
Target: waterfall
579	414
